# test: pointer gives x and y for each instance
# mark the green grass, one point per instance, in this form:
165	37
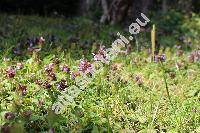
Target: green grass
113	101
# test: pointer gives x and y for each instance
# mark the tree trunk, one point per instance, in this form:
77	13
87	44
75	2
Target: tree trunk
86	6
145	5
186	6
164	6
105	7
123	11
114	11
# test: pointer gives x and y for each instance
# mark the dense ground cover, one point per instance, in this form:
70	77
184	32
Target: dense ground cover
40	59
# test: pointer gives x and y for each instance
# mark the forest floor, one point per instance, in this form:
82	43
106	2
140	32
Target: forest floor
40	57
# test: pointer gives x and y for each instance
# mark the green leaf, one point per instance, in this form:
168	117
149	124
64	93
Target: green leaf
17	128
51	117
95	129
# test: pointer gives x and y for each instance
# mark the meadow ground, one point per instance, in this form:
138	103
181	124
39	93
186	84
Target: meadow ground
40	59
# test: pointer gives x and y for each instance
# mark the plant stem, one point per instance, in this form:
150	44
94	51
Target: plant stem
167	89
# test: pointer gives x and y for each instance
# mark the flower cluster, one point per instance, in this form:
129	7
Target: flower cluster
160	58
11	72
101	55
62	85
9	115
138	80
47	85
74	75
49	70
195	56
85	67
23	89
65	68
32	42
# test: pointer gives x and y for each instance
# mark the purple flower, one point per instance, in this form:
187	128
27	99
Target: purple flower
65	68
85	67
51	76
30	42
101	55
62	85
11	72
47	85
9	115
182	38
163	57
16	51
194	57
49	68
178	46
74	75
23	89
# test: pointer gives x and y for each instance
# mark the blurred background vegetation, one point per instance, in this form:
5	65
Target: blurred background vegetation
87	21
42	42
115	11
